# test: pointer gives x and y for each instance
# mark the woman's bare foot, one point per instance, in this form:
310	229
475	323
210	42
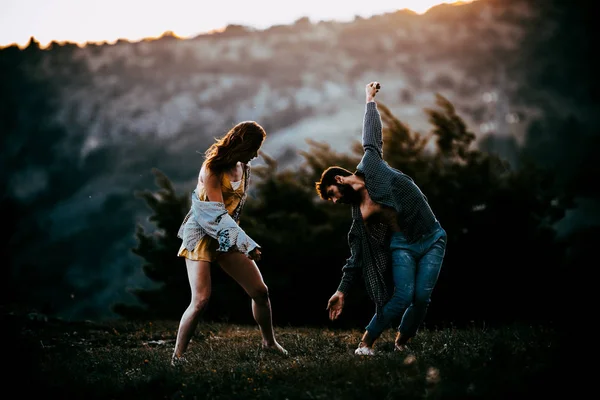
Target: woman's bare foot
276	347
178	361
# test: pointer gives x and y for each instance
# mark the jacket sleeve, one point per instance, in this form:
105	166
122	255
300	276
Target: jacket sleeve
351	271
213	218
372	134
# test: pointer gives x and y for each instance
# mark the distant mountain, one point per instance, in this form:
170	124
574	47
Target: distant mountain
300	80
305	79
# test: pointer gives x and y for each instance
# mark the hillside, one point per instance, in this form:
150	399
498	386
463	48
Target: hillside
302	80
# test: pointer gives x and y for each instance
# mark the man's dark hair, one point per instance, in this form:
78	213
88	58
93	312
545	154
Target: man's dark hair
328	179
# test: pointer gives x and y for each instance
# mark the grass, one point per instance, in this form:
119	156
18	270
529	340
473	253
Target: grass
130	360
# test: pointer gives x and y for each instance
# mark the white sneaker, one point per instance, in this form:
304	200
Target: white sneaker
364	351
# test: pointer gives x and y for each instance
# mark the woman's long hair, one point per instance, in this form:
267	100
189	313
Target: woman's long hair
246	136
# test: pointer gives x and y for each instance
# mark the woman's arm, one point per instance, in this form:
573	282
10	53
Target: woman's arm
212	185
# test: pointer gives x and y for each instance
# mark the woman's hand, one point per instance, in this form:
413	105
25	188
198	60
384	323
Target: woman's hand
255	254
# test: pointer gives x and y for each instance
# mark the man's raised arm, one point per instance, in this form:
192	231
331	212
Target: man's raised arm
372	136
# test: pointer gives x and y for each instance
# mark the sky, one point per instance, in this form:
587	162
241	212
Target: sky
82	21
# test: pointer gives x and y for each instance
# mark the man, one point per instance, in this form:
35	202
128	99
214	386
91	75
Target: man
394	237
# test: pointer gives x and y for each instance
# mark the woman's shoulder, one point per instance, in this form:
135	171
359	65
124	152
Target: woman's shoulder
206	173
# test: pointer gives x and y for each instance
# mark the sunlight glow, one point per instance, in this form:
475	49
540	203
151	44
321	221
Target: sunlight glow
81	21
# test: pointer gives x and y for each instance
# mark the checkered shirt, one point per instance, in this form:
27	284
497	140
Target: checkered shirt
369	250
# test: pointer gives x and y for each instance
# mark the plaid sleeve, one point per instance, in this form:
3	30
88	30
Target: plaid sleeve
372	136
351	270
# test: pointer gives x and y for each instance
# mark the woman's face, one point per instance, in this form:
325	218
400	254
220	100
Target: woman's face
246	156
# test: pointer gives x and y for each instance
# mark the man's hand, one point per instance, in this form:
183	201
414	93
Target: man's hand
335	305
371	90
255	254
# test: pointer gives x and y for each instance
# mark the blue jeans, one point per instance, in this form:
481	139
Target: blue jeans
415	269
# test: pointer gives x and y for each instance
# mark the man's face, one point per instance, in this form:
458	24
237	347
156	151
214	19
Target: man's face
342	193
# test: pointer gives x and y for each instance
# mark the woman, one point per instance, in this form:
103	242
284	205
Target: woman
211	233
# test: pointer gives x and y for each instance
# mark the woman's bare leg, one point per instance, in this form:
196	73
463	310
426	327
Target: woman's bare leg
199	277
246	273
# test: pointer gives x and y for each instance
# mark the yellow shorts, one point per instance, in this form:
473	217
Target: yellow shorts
205	250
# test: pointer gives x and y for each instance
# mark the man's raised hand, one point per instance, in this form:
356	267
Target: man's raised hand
371	90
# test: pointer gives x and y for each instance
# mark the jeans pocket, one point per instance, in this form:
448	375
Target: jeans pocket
442	240
439	246
399	241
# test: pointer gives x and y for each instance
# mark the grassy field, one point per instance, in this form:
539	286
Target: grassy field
127	360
